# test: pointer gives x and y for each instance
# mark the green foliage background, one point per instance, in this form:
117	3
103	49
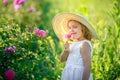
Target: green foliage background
38	58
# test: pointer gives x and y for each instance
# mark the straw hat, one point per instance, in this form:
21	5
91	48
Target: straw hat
60	22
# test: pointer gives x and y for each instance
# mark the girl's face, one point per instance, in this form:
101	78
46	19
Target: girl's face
75	29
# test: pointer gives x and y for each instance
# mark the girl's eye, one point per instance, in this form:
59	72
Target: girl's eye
68	27
72	27
75	26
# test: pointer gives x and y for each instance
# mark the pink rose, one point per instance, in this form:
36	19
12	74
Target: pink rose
5	50
68	36
20	1
31	9
40	33
43	33
17	7
10	49
9	74
17	4
5	2
37	31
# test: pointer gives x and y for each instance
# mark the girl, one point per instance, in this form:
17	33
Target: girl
78	54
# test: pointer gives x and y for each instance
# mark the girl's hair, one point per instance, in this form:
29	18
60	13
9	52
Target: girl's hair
87	34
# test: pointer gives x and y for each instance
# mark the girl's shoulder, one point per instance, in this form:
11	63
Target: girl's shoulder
85	41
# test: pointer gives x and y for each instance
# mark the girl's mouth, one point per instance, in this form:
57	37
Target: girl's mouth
72	33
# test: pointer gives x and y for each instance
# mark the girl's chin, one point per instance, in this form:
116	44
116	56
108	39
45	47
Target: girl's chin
73	38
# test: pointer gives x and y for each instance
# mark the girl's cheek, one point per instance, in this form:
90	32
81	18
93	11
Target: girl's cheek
71	36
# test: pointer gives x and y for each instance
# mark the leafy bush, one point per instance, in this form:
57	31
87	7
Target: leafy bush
106	65
33	57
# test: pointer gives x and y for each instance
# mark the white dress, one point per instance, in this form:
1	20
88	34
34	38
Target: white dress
73	69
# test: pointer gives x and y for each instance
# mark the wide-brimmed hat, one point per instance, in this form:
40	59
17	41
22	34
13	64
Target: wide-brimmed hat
60	22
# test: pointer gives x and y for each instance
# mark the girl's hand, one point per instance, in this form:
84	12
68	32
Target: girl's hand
66	47
65	53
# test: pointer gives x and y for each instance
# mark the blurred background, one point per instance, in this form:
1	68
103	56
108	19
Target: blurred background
27	55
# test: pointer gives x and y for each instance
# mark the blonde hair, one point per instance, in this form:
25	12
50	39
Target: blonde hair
87	34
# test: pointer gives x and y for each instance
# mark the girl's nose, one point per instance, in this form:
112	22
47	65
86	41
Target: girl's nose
71	30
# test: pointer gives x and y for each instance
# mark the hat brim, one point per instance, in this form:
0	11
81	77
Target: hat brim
60	22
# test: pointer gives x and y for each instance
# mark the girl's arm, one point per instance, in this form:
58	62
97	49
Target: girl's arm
85	52
65	53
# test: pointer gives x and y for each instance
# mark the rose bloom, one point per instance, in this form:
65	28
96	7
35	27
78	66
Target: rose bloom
68	36
17	4
31	9
40	33
9	74
5	2
10	49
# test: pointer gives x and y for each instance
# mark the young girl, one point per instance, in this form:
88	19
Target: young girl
78	54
